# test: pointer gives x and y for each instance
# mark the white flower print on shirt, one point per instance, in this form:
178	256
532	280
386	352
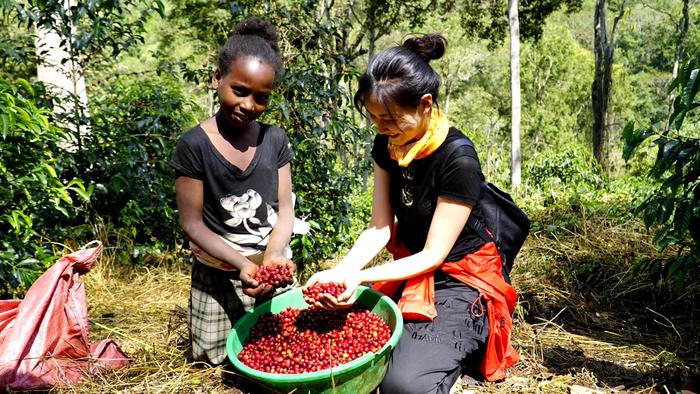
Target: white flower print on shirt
242	208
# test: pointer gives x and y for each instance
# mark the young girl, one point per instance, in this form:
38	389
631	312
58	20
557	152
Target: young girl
234	190
447	280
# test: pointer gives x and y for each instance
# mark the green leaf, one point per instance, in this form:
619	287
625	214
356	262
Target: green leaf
4	125
648	219
306	242
682	78
664	238
78	187
682	217
61	194
691	88
25	86
631	139
20	220
50	169
43	180
672	183
665	210
671	150
63	210
679	118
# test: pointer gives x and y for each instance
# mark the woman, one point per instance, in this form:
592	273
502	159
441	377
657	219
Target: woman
447	280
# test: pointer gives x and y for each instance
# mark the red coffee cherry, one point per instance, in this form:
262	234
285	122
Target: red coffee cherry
301	341
313	292
275	276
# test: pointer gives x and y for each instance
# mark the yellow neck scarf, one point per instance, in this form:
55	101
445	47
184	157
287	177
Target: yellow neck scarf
427	144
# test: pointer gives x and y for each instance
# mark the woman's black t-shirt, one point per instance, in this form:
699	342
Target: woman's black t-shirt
454	174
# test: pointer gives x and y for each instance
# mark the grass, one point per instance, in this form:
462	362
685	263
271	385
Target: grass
587	321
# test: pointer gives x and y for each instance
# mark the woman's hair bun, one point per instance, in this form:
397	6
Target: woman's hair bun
428	47
254	26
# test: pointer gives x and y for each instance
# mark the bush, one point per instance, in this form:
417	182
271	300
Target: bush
570	167
34	196
674	207
135	125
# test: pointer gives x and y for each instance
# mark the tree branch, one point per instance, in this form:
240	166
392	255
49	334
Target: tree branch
660	11
620	14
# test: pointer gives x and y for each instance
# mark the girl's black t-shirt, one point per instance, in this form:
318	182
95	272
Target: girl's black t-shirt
454	174
240	205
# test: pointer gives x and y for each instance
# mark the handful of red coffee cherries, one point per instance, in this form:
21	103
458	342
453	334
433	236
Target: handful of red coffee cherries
313	292
275	276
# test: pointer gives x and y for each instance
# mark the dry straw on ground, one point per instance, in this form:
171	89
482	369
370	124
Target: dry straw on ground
609	338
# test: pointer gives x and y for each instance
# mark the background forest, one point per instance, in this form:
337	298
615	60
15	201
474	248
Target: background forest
609	138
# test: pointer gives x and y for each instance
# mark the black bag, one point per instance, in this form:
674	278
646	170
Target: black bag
497	219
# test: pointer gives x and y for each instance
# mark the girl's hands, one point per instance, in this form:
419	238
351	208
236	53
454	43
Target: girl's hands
251	287
279	260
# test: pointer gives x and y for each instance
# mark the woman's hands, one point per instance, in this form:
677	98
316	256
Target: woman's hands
349	278
331	275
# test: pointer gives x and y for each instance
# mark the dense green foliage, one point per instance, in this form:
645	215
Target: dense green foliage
34	195
92	30
675	206
18	56
485	19
558	73
135	124
91	34
570	167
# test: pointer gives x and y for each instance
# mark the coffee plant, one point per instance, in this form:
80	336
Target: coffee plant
135	124
572	166
674	207
35	195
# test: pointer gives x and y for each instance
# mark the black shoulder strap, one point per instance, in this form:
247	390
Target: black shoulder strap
472	222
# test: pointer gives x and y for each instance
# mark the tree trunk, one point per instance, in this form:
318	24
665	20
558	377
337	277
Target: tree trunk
64	79
682	31
489	149
599	98
514	27
603	48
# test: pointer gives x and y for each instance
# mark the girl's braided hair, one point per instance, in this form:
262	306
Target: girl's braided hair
252	37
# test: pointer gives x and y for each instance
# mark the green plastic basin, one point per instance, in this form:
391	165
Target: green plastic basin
361	375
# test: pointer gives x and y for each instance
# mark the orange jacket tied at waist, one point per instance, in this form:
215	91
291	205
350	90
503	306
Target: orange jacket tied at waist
480	270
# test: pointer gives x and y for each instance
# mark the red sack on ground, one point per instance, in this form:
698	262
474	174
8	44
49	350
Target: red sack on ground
44	337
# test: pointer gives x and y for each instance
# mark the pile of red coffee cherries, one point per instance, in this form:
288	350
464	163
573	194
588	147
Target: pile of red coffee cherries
313	292
308	340
275	276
